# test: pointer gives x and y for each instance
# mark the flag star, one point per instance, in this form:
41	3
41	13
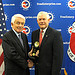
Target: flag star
1	8
2	18
0	29
0	3
7	30
3	23
4	28
1	13
0	24
1	34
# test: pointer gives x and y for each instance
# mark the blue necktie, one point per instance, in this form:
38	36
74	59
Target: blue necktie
21	39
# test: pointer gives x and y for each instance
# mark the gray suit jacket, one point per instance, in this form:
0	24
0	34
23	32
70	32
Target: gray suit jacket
50	52
15	55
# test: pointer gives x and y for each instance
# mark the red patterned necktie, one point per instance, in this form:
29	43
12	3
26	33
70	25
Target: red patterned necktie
40	38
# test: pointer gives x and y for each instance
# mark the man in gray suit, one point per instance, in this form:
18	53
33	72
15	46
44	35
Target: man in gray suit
15	47
50	53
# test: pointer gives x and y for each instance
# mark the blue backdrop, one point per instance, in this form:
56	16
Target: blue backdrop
62	15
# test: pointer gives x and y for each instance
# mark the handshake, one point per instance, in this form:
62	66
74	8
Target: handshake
30	63
32	55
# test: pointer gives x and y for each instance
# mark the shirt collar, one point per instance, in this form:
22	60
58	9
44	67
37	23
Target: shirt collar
16	33
44	30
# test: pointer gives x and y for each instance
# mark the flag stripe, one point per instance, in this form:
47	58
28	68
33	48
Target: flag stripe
2	69
1	58
0	41
3	73
2	32
1	50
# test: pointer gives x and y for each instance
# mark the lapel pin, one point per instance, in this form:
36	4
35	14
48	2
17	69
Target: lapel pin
46	35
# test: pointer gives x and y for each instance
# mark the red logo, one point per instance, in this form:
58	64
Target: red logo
70	29
25	4
26	30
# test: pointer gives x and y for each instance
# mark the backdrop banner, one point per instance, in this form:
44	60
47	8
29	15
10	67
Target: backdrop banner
62	15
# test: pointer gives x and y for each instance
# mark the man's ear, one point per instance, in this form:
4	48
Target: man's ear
11	24
48	19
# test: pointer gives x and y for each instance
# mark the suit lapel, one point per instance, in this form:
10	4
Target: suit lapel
37	36
16	39
24	43
46	36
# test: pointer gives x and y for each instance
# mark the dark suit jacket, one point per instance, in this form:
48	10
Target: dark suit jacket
15	55
51	52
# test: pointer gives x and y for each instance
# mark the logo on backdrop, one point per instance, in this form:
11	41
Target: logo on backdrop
51	17
70	29
26	30
71	49
71	4
25	4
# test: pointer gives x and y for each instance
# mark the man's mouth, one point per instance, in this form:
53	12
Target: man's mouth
19	27
42	24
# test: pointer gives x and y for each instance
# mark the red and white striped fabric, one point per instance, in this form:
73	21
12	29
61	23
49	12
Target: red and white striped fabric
2	32
1	59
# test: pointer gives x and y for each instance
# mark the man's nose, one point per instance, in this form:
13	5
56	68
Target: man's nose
41	20
20	24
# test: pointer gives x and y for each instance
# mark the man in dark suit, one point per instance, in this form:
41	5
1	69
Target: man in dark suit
15	47
50	51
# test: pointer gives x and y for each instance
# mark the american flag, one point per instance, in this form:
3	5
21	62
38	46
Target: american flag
2	31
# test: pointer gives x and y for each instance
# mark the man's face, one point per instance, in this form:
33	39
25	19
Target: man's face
43	21
18	24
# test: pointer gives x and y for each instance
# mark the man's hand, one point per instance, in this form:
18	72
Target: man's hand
30	53
30	63
37	53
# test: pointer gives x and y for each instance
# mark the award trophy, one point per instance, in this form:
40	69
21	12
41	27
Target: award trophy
35	48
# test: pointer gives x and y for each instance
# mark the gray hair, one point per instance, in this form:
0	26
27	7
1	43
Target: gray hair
15	16
43	12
